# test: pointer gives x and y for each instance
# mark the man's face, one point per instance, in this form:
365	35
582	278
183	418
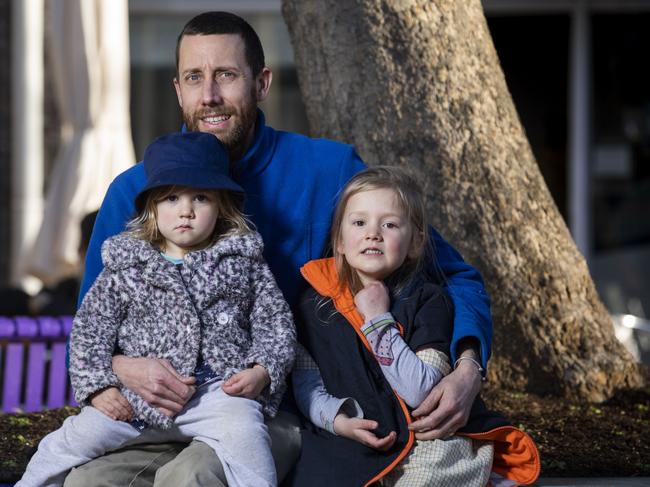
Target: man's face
216	89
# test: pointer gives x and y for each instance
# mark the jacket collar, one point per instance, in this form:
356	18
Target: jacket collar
163	274
258	155
123	251
260	152
321	274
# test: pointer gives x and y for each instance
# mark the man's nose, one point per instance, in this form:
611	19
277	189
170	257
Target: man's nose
211	92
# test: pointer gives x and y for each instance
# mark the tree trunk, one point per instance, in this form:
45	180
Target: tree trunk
418	83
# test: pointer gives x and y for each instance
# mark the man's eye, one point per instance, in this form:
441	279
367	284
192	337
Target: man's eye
192	77
226	76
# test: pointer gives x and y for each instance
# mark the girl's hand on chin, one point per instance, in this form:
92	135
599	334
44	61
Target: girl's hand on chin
372	300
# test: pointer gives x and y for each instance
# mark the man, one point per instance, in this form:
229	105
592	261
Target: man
291	183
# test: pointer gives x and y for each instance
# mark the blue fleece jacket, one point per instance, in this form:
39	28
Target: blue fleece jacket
292	183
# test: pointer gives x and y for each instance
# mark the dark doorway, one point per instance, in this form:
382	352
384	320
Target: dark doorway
533	51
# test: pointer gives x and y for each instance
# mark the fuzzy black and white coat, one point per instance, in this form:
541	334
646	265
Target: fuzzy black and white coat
222	304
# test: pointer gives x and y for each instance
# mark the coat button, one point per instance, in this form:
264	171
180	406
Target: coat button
222	318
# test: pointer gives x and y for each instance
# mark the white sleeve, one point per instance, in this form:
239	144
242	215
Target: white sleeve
409	376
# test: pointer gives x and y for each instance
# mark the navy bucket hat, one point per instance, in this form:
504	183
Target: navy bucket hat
194	159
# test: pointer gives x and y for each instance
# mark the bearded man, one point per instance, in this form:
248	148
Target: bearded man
291	183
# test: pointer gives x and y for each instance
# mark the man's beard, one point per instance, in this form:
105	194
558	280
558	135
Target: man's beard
235	139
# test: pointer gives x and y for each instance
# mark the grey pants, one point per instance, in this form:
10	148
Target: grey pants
232	426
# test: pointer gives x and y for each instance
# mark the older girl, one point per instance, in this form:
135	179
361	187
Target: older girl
376	334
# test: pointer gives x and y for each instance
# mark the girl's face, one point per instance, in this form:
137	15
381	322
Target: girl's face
376	235
186	219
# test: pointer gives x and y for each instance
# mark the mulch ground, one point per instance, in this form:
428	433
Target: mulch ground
611	439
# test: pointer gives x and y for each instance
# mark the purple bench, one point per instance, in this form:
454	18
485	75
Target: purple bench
32	363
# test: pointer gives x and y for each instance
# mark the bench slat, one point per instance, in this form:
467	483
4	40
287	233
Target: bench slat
35	377
13	377
42	342
58	377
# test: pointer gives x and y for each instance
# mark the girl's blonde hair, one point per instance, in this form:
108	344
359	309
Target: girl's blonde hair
410	200
230	219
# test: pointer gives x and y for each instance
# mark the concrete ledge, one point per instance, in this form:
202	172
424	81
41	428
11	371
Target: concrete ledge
595	482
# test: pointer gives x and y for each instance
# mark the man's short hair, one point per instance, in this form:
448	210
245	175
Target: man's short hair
210	23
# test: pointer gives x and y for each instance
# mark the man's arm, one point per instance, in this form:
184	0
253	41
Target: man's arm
463	283
114	213
447	407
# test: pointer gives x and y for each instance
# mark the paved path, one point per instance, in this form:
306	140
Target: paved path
595	482
557	482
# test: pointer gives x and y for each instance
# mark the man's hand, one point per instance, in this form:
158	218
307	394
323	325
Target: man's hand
248	383
113	404
447	407
361	430
372	300
155	381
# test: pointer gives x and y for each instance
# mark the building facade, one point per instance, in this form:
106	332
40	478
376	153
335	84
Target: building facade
576	70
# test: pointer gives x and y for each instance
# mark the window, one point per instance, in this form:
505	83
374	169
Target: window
620	161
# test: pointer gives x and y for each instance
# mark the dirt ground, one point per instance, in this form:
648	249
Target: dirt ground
611	439
575	439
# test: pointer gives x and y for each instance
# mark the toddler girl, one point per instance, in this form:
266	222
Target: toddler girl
186	283
374	339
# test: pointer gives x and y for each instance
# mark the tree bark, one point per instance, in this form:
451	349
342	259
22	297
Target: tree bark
418	83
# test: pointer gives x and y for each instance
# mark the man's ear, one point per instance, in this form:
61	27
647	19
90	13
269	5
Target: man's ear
263	84
177	87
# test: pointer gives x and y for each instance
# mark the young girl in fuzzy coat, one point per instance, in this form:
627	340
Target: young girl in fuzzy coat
375	337
186	282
